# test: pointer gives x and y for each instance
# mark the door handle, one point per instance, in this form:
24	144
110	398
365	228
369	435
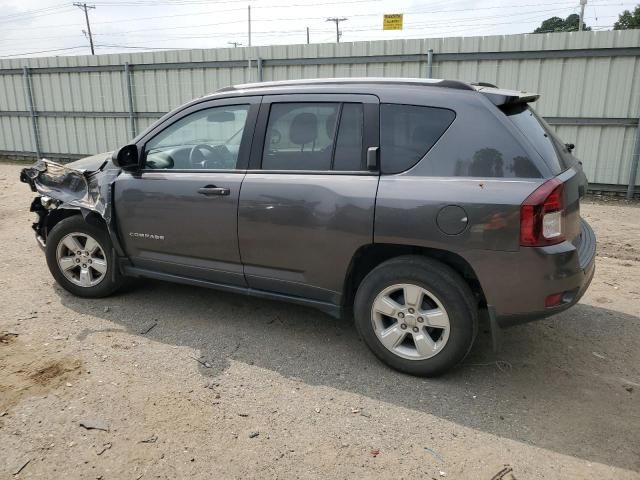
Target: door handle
212	190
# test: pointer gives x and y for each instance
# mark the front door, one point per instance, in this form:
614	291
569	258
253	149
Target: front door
178	213
307	201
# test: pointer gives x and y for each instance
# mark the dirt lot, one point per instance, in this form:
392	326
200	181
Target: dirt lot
191	383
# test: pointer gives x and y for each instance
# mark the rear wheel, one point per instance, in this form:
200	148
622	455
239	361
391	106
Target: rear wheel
80	258
417	315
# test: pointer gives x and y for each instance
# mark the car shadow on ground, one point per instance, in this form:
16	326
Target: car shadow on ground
560	384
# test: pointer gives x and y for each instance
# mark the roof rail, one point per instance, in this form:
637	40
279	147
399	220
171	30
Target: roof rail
497	96
431	82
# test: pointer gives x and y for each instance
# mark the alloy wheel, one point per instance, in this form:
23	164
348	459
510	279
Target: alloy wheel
410	321
81	259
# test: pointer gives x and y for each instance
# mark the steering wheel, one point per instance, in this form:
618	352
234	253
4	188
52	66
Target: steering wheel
221	156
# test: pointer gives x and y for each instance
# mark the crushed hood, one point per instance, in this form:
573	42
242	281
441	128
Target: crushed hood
94	162
84	184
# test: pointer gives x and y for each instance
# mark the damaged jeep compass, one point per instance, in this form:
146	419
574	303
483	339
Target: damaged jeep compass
414	205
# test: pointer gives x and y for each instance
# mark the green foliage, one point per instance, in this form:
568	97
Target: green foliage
628	20
557	24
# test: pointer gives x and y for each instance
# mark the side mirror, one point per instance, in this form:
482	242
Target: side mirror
126	157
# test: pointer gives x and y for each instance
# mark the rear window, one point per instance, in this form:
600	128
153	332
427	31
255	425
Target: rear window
407	133
547	144
300	136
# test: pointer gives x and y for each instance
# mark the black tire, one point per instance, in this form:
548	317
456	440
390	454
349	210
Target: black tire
449	288
110	281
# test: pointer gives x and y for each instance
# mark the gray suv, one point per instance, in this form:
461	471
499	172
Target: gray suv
414	205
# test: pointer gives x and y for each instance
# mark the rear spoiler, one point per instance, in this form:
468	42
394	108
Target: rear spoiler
503	97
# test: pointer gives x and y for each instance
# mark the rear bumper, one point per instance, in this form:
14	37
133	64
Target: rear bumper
571	297
518	287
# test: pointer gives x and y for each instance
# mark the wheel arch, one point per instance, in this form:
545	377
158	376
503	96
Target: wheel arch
57	215
367	257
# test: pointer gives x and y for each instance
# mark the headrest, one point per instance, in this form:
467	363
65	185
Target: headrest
304	128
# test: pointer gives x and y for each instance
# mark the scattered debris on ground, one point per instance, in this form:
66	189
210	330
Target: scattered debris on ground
94	424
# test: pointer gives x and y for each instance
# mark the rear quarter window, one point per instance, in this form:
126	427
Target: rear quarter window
480	144
407	133
552	150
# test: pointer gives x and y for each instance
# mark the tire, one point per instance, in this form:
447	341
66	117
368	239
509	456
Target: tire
439	329
91	275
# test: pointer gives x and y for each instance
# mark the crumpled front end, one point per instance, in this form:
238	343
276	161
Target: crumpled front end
62	188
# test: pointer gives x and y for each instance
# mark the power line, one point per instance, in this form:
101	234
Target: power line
28	13
435	23
41	51
218	11
48	12
360	15
156	3
361	29
105	45
338	32
85	8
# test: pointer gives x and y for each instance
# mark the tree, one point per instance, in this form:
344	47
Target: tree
557	24
628	20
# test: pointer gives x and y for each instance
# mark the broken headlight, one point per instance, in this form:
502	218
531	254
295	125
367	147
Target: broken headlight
48	202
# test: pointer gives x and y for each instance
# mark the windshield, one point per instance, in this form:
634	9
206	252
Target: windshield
540	134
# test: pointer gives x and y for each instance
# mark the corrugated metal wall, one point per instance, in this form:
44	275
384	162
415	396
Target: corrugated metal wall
589	82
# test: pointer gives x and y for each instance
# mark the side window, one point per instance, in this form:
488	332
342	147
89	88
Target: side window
407	133
300	136
349	144
206	139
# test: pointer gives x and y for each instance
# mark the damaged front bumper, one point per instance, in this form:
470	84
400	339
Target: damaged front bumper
62	188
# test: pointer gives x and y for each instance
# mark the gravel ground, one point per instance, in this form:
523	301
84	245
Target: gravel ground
183	382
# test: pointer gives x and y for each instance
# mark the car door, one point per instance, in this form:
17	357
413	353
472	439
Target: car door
178	213
307	201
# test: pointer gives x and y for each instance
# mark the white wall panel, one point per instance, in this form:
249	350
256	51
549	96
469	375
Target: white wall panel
589	87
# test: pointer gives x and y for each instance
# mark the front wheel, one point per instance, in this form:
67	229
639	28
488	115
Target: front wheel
80	258
416	314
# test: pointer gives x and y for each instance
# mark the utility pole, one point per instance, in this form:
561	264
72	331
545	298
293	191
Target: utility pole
308	36
235	44
249	35
85	8
249	22
582	5
337	22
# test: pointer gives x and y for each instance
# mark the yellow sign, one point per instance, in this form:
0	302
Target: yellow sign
392	21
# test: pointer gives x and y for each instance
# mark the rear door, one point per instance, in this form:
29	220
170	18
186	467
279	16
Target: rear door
307	201
178	213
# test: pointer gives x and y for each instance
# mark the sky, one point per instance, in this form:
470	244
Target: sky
54	27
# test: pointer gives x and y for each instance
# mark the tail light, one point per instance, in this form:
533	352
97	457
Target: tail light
541	215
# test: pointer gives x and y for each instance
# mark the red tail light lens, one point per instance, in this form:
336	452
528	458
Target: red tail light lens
541	215
553	300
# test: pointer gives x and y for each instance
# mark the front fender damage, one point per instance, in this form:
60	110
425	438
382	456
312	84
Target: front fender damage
63	188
